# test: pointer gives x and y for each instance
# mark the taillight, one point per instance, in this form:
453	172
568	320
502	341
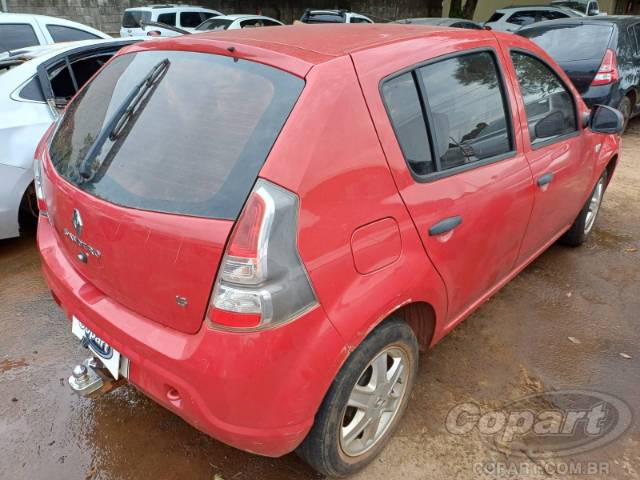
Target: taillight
154	33
37	183
262	281
608	71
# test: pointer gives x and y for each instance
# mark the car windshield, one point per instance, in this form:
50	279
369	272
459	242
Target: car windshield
193	142
571	43
578	6
214	24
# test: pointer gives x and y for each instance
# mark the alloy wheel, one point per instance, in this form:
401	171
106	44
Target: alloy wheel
594	206
374	401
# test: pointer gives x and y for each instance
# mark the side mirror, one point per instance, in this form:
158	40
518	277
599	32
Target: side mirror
606	119
551	125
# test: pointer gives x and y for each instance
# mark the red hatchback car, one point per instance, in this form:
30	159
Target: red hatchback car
261	229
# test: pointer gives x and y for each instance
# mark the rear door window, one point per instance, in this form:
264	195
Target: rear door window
167	19
17	35
468	112
407	117
451	114
132	18
191	19
194	142
61	33
544	95
525	17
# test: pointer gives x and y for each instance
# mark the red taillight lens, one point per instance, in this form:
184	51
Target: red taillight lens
244	240
154	33
608	71
262	281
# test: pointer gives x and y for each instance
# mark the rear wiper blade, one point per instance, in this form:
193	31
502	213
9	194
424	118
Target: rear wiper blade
121	116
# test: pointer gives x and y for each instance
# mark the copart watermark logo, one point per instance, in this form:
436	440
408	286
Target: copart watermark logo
546	424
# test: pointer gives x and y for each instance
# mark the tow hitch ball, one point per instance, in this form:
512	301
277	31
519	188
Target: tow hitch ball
90	380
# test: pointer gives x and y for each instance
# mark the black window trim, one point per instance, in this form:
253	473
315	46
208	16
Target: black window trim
579	125
426	111
93	35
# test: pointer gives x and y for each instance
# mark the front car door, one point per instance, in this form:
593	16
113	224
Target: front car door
555	147
444	117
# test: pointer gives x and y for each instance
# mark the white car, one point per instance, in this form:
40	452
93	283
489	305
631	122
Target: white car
223	22
333	16
36	83
234	22
183	17
511	19
19	30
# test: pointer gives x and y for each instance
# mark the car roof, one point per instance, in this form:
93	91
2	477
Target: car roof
152	8
236	16
299	47
595	20
534	7
433	20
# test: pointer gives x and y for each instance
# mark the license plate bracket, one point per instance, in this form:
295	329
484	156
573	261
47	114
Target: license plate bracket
108	356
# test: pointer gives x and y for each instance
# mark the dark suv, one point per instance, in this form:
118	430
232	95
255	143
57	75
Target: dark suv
601	55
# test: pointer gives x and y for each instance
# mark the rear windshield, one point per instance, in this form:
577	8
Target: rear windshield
323	18
194	140
132	18
495	17
215	24
570	43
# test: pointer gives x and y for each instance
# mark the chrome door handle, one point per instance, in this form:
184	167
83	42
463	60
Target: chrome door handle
446	225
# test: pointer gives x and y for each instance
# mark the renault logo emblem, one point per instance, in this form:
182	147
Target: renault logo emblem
77	222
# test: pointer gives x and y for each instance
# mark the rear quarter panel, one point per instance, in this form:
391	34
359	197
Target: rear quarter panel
329	154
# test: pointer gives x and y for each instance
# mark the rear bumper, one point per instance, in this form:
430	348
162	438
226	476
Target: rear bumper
13	183
602	95
258	392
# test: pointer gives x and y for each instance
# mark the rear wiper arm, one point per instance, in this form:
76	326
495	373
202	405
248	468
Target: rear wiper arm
120	118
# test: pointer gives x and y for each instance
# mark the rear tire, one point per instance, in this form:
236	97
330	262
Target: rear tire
625	107
28	212
364	403
583	225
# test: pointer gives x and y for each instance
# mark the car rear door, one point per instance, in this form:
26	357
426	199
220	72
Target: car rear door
561	156
444	116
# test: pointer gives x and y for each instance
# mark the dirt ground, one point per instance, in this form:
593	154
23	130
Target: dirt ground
517	343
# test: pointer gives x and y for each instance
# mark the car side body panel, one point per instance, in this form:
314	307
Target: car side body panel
338	197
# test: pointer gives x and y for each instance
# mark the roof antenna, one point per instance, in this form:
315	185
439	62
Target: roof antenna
232	49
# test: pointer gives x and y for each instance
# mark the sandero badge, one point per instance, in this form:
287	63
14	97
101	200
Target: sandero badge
78	225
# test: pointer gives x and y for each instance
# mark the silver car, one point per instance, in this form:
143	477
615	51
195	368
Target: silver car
35	84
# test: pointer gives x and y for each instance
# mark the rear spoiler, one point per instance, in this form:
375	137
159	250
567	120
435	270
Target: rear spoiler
144	25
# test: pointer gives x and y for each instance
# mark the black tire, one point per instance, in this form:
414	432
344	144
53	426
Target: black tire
625	107
322	447
577	234
28	212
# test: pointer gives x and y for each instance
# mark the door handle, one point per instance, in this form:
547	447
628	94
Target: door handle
545	179
446	225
